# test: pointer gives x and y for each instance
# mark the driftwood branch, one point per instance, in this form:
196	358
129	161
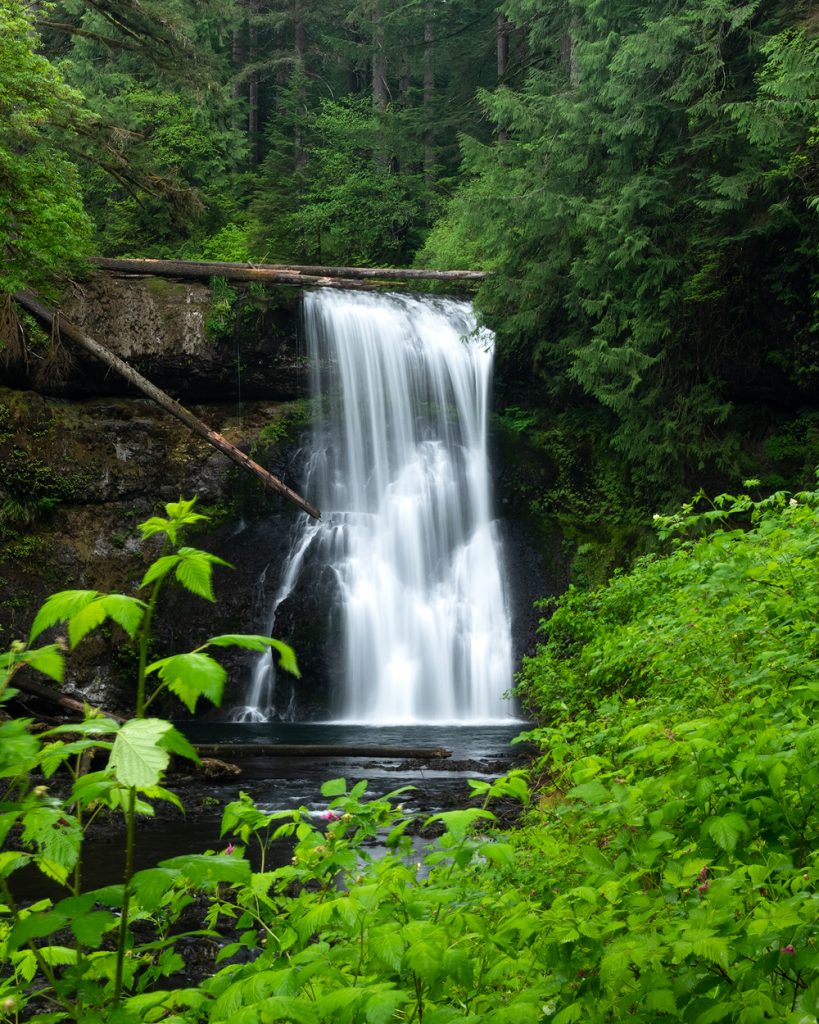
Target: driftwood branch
52	696
275	273
231	750
49	317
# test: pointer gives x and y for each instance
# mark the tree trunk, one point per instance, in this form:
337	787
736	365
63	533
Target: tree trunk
300	43
380	89
429	97
502	41
274	273
568	52
253	97
237	51
45	315
67	703
502	47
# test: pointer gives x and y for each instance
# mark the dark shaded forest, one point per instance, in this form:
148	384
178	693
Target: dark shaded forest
640	179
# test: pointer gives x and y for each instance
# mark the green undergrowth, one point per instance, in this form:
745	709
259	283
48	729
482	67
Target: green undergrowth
680	842
665	869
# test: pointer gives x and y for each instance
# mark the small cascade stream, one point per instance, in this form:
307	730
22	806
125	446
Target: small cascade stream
399	469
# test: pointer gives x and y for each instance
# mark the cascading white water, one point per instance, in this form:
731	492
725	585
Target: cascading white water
400	472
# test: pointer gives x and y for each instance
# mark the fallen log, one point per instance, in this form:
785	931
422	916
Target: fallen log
52	319
229	271
67	703
282	273
231	750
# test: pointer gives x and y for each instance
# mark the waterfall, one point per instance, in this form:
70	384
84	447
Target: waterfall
399	469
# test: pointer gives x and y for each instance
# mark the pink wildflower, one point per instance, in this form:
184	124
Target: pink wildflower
704	873
229	849
329	815
789	950
704	887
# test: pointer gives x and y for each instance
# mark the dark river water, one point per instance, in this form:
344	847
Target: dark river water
276	783
465	741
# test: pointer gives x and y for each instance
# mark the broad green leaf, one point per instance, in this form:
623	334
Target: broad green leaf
424	958
359	789
55	754
569	1014
191	676
726	829
150	885
382	1006
82	622
207	869
159	570
590	792
458	965
501	854
125	611
712	948
194	571
90	727
90	927
48	660
174	741
289	1009
716	1011
180	998
7	820
160	793
59	608
10	861
252	642
58	956
334	787
661	999
388	945
459	823
35	926
57	836
18	748
249	641
138	757
154	525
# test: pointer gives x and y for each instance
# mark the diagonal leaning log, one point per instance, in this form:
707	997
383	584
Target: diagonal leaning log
47	316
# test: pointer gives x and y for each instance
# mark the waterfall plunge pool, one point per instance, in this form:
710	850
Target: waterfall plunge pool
278	783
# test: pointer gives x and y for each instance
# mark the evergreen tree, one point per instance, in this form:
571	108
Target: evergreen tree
650	211
161	163
43	227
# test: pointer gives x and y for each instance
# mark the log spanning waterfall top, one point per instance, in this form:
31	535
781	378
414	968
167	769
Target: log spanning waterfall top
399	467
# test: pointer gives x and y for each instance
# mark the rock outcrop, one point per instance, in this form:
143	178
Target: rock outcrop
84	461
175	335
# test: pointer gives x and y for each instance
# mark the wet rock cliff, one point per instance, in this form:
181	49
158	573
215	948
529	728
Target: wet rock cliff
85	459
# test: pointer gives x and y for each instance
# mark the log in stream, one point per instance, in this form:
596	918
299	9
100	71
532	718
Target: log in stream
53	319
230	750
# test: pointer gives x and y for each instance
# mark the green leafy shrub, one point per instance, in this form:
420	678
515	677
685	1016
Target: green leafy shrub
43	226
680	703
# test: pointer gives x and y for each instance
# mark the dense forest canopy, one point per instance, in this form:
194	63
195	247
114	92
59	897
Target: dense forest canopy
641	178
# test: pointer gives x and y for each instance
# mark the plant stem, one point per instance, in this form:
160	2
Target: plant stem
130	814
